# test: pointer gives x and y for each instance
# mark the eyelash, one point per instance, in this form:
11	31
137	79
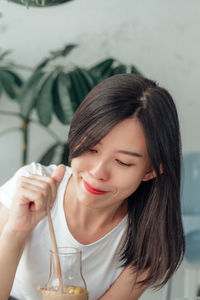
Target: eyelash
92	150
121	163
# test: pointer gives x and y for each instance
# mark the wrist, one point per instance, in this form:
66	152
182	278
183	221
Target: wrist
14	236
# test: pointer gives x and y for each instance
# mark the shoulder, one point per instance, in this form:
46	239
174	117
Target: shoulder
35	168
8	189
38	169
127	286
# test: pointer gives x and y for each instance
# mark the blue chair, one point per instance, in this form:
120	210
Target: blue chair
192	254
190	201
191	184
191	221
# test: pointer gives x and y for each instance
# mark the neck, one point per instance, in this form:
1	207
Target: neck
89	221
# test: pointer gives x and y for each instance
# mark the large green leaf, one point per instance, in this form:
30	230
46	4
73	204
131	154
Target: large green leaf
25	2
42	64
40	3
89	80
17	79
5	53
48	156
108	68
63	52
120	69
28	2
61	100
79	86
103	69
29	92
55	54
135	70
8	83
72	91
44	102
65	154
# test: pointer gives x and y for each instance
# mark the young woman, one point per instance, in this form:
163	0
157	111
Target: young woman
119	202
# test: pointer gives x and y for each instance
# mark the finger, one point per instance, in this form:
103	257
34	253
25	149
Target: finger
58	173
36	180
44	185
32	198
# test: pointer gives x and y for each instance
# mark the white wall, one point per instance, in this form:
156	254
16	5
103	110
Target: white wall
160	37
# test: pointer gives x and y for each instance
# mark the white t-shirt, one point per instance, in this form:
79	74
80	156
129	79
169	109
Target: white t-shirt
100	260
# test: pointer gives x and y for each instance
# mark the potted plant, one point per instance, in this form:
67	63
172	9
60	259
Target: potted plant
54	89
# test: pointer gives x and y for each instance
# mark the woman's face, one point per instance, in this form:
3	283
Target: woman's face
113	169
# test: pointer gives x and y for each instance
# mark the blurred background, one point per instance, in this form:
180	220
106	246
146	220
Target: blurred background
159	39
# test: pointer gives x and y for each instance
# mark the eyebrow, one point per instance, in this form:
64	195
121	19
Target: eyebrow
130	153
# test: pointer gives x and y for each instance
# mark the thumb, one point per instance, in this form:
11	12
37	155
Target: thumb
58	173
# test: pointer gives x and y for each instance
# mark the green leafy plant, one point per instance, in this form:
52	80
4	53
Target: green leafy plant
10	85
10	81
56	89
40	3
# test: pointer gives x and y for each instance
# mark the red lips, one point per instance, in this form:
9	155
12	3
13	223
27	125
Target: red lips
92	190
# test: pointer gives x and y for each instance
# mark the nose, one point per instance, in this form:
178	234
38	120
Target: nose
100	171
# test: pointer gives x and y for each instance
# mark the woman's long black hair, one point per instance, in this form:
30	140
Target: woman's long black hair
155	238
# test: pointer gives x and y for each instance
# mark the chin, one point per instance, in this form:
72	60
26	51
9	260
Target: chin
89	202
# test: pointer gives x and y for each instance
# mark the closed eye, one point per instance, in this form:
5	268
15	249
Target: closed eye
92	150
123	164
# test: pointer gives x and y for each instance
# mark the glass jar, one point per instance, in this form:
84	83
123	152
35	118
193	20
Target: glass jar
73	284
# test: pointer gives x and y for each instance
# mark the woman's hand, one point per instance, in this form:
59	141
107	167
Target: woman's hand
33	195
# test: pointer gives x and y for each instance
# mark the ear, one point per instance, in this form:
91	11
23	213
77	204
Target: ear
150	174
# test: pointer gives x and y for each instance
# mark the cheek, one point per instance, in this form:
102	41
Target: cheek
74	163
77	164
130	182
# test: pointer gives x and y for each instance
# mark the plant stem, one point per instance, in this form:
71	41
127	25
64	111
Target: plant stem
25	128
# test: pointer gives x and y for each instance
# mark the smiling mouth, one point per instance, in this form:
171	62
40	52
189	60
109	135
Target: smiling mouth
92	190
